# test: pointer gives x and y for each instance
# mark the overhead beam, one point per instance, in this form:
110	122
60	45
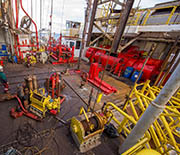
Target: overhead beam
100	29
92	42
99	48
93	13
115	1
122	24
103	2
118	2
128	44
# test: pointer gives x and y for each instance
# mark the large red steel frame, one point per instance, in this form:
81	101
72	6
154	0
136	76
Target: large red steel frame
17	22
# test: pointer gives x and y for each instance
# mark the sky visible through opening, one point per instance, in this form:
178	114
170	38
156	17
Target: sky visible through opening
66	10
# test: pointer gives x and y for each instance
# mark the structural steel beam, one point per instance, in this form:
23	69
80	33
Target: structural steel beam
118	2
92	42
115	1
95	3
84	32
103	2
122	25
99	48
100	29
128	44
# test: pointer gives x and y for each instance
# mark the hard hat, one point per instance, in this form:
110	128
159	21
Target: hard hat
1	68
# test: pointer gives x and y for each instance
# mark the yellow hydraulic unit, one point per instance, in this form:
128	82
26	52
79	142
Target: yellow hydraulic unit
86	130
40	103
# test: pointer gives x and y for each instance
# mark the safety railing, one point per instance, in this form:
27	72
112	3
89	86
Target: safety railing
165	130
125	126
145	16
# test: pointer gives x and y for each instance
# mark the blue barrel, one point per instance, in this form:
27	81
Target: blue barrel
4	47
128	72
135	75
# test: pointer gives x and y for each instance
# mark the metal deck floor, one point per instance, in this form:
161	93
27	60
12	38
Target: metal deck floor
70	107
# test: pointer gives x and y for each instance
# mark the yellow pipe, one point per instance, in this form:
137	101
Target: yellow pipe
147	16
83	111
135	147
134	110
171	14
169	132
120	111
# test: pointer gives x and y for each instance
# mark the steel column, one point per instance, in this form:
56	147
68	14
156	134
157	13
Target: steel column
120	29
93	13
84	32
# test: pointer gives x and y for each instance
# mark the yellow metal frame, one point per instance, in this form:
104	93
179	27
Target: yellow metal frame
125	126
163	130
45	103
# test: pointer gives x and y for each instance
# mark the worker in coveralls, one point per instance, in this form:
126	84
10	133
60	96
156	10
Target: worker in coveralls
3	80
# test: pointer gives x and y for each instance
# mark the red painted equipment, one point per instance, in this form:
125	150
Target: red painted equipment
95	80
60	53
131	58
18	45
55	85
1	63
22	111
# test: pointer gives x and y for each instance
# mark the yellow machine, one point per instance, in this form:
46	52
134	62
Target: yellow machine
40	103
32	59
86	130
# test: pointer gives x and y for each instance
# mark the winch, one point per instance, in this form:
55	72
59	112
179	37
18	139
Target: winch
86	130
41	103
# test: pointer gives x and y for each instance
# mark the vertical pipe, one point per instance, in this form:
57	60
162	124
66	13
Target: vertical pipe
84	34
93	13
40	19
51	20
17	13
153	111
120	29
32	22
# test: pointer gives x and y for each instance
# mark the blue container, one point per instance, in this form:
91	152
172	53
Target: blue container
135	75
3	47
128	72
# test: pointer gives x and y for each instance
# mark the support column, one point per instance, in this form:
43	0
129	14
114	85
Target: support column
93	13
84	32
120	29
153	111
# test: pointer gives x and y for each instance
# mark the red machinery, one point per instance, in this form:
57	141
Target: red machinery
60	53
25	43
22	111
55	84
93	78
131	58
